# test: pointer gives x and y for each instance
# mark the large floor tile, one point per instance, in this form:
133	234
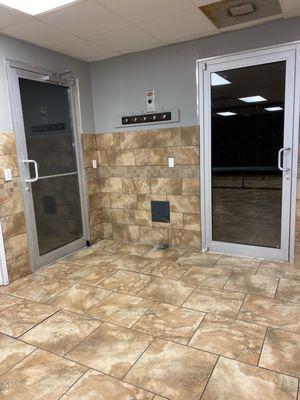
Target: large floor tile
60	270
79	298
121	309
126	282
12	351
41	289
164	269
199	258
239	264
231	338
252	283
40	376
92	275
167	291
279	270
172	370
96	386
233	380
288	289
171	253
111	349
205	277
61	332
281	352
130	262
271	312
226	304
170	322
106	245
135	249
97	258
21	317
7	301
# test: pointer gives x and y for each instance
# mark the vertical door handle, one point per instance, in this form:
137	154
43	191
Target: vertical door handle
280	159
35	170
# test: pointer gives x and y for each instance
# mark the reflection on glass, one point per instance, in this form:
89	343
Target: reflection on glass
50	142
247	133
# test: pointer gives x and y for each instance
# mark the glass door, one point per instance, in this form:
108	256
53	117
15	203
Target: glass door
249	128
53	189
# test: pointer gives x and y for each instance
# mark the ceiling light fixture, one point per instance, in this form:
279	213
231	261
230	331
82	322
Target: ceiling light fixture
242	9
35	7
226	113
217	80
252	99
274	109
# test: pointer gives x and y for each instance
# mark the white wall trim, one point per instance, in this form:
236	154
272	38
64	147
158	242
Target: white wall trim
3	266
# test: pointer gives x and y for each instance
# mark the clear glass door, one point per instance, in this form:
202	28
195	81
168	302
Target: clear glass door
50	164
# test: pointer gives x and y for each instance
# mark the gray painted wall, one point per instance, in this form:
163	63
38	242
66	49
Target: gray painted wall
119	84
37	56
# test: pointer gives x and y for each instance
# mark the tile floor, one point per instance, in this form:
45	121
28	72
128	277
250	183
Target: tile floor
126	322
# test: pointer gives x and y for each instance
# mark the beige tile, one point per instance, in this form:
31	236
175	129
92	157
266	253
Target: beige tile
7	144
191	221
41	289
61	332
230	338
130	262
17	319
108	140
79	298
40	376
126	233
13	225
96	386
113	215
12	351
281	352
185	155
10	202
165	253
271	312
288	289
185	238
127	282
136	185
127	201
167	291
110	246
153	236
185	204
205	277
280	270
240	264
238	381
111	349
19	267
199	258
226	304
138	217
166	186
92	275
191	186
153	138
111	185
7	301
164	269
254	284
97	258
121	309
155	156
89	141
135	249
120	157
16	246
170	322
190	135
172	370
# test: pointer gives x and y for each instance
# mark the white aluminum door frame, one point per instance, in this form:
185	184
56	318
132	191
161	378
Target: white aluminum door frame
15	71
290	54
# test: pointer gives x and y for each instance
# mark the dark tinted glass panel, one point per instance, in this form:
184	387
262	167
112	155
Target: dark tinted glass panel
247	133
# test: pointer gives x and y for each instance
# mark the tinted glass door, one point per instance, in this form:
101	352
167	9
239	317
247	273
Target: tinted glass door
250	156
50	169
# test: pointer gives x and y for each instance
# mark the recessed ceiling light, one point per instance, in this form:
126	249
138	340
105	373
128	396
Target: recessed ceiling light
274	108
226	113
217	80
252	99
34	7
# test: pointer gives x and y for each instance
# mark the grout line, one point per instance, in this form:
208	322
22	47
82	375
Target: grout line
262	347
77	380
19	362
208	380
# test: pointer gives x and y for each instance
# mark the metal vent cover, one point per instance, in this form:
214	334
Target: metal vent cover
220	15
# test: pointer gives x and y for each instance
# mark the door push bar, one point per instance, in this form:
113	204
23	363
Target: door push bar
35	179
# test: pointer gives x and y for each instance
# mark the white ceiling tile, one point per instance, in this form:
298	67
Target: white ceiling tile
34	31
84	19
10	17
144	10
126	39
200	3
181	26
291	8
83	49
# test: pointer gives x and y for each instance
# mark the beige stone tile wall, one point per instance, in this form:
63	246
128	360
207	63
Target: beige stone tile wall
12	212
133	171
93	186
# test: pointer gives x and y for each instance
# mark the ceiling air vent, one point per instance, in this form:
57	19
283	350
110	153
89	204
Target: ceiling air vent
228	14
